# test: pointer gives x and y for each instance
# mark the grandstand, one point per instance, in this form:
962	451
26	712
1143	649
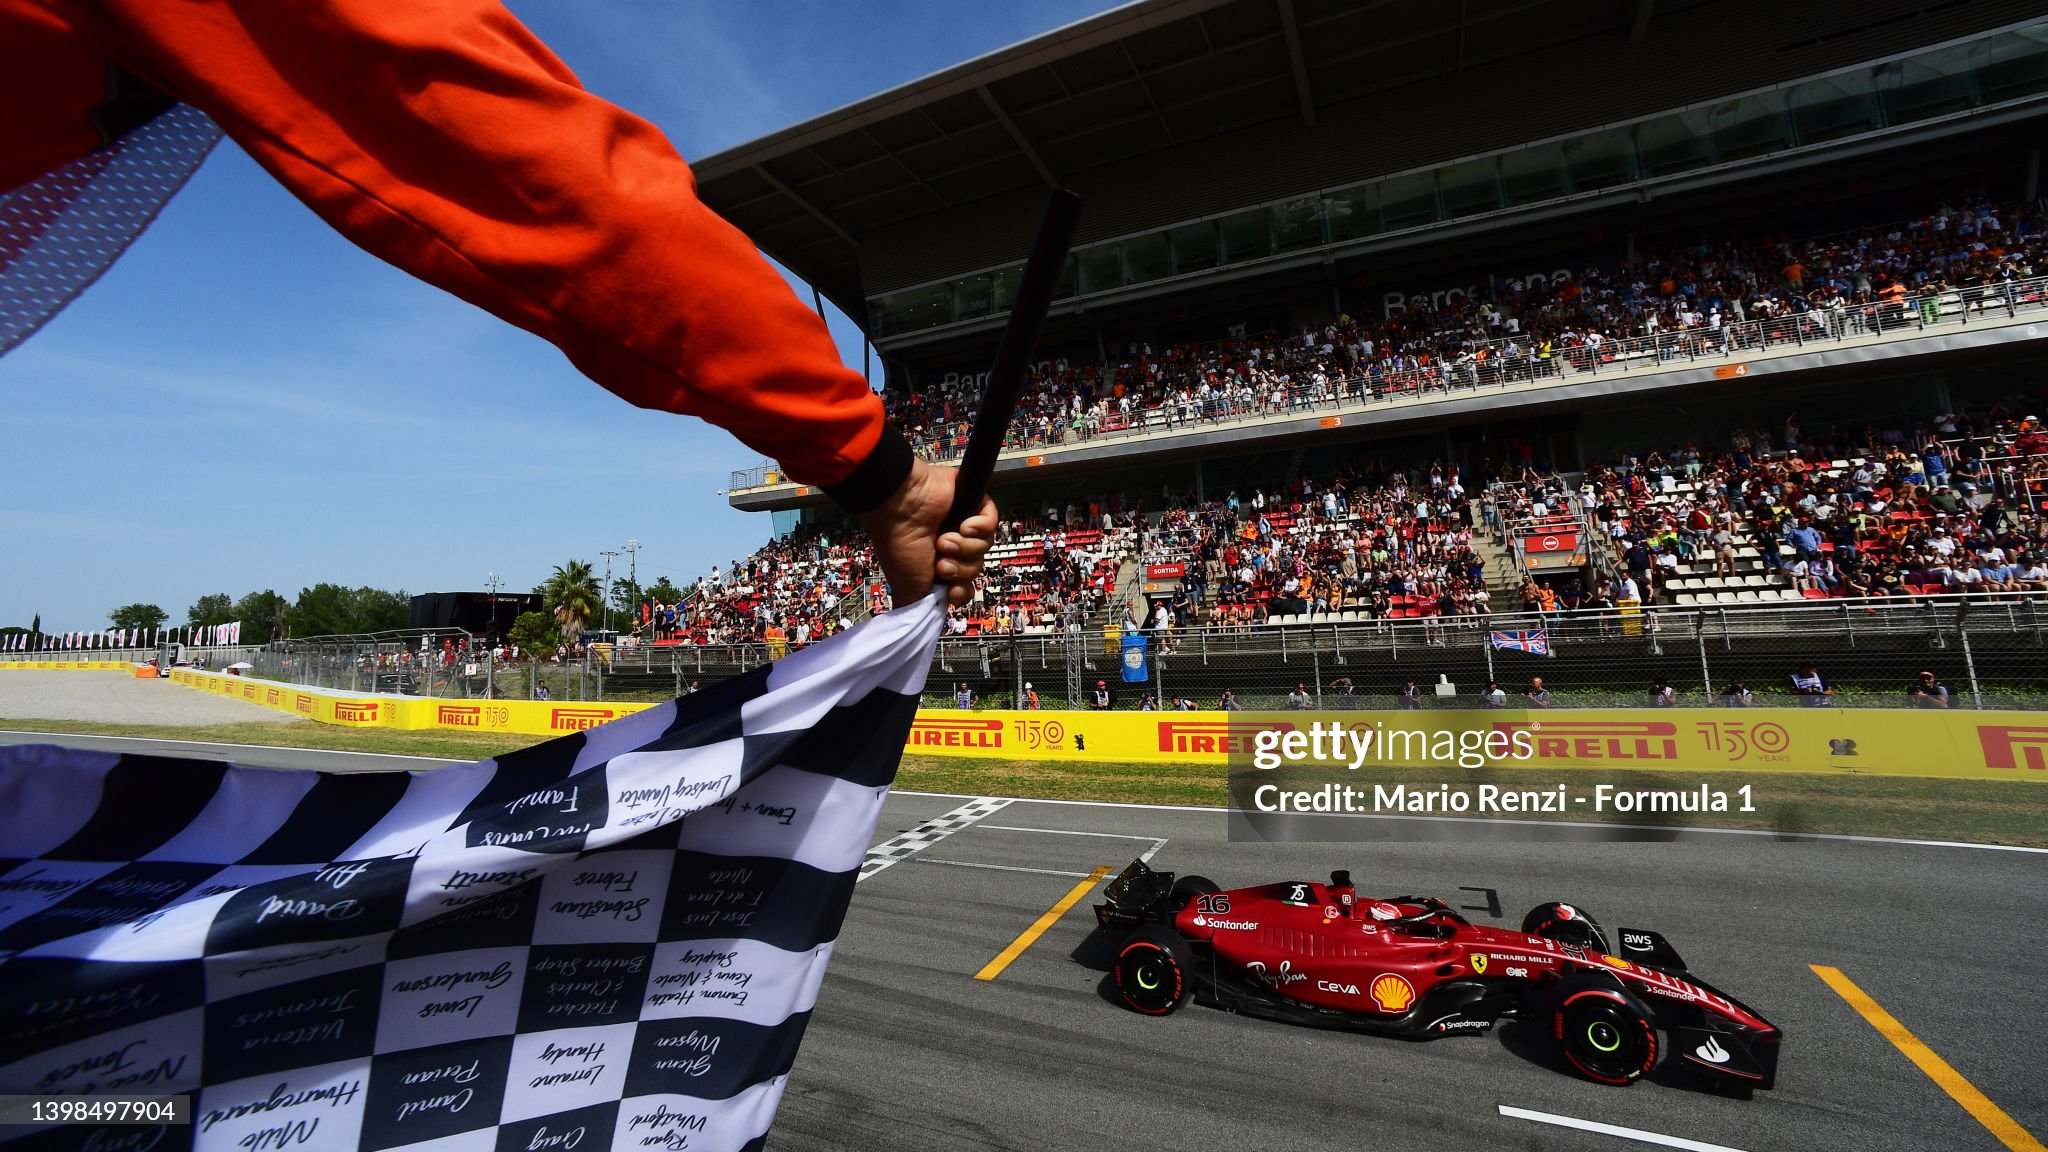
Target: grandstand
1325	251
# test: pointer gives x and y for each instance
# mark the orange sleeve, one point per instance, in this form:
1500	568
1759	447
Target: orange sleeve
443	137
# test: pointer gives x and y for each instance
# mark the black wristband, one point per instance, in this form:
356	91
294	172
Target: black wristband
876	478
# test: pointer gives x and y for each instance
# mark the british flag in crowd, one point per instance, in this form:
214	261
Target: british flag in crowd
1535	643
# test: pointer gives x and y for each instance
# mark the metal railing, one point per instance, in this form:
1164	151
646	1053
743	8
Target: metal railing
1989	651
1992	651
445	662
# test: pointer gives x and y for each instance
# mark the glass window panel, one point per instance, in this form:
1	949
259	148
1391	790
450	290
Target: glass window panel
1932	84
1298	225
1469	188
1246	235
1834	107
1674	143
1534	174
912	309
1408	201
971	297
1353	212
2017	66
1194	247
1102	268
1068	276
1601	160
1750	126
1145	258
1003	287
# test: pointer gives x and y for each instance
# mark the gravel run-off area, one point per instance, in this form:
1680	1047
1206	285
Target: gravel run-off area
119	698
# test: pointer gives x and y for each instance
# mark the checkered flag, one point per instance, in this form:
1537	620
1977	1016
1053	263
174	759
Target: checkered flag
610	940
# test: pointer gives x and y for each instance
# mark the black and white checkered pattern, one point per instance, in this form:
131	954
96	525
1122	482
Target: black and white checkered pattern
610	940
927	834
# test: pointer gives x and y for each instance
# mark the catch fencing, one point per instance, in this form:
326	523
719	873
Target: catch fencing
1990	652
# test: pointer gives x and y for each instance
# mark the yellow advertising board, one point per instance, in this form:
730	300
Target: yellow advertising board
411	713
1880	742
68	665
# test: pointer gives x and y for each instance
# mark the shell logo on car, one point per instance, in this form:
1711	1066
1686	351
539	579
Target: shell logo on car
1615	962
1393	993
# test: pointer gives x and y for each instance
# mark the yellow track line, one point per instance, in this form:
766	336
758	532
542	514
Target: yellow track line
994	968
1990	1115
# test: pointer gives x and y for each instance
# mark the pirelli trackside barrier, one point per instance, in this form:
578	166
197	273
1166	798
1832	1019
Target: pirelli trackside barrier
367	710
1956	745
68	665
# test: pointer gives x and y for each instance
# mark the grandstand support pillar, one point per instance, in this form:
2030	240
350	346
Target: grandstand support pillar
2033	175
1699	634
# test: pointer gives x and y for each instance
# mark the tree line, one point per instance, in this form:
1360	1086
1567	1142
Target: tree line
574	602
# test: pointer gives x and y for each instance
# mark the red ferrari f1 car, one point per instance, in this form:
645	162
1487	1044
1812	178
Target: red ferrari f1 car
1410	966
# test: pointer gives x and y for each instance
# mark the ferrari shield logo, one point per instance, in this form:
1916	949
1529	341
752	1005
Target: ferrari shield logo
1479	965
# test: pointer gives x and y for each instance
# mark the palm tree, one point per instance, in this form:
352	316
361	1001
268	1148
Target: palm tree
571	594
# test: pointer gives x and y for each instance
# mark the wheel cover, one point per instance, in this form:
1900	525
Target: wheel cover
1604	1039
1149	979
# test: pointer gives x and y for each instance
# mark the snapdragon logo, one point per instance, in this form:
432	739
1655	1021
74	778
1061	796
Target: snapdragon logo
1352	745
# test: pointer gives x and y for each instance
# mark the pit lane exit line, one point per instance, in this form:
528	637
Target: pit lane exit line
994	968
1978	1105
1615	1130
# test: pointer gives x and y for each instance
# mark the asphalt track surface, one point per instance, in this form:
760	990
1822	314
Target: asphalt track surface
909	1051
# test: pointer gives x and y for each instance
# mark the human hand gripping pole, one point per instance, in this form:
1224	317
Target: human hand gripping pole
939	524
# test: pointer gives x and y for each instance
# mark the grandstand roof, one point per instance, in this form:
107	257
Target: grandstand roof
1163	110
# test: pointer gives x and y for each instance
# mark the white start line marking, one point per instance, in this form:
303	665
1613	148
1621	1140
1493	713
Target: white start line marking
1636	1134
927	834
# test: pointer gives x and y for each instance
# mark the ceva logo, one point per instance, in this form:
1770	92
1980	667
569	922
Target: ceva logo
2014	747
955	734
578	719
356	711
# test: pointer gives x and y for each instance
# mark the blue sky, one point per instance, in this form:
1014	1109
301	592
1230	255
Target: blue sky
382	432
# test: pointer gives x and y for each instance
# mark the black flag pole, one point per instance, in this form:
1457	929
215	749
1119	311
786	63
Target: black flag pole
1020	336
